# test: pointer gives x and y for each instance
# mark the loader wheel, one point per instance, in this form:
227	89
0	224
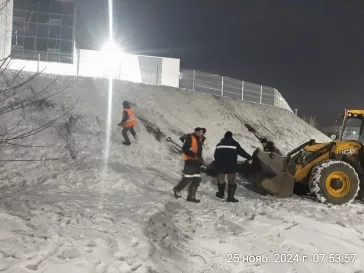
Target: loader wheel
335	182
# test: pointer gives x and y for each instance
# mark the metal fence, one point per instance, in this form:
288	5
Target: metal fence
227	87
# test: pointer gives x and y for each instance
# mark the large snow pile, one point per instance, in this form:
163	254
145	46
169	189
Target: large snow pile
117	213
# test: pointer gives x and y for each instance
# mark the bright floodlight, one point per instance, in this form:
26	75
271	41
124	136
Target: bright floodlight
111	50
111	58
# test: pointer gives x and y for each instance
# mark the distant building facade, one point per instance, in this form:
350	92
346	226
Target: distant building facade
46	30
50	36
6	18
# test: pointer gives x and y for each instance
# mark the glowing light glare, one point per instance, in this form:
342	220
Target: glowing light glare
111	19
111	57
111	50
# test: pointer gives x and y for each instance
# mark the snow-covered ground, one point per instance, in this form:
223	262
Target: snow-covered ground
116	212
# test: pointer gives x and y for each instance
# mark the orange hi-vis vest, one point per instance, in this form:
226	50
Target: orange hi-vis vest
194	148
132	121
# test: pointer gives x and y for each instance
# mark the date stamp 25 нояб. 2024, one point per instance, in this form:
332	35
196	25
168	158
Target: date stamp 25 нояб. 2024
342	258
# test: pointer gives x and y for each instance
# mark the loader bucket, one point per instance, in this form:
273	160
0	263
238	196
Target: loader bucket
281	183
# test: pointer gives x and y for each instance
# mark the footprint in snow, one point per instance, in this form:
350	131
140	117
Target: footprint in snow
340	224
92	243
69	254
3	266
119	257
134	243
33	267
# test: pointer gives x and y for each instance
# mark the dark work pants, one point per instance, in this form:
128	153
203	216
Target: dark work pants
125	133
231	178
192	176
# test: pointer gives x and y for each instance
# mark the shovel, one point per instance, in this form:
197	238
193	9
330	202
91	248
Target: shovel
249	127
169	139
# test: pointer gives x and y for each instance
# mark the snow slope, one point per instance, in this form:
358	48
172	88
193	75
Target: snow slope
92	214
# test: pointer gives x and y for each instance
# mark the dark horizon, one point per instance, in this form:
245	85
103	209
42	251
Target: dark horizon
312	52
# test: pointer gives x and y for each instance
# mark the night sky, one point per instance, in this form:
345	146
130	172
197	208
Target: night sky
311	51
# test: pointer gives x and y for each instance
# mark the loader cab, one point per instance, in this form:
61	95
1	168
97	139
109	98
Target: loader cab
352	127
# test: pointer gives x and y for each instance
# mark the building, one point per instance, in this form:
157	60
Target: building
46	30
50	36
6	17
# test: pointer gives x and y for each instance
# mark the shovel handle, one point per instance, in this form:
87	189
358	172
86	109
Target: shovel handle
169	139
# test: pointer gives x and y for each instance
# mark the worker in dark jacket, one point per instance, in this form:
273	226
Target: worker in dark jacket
128	122
202	138
226	161
268	146
192	155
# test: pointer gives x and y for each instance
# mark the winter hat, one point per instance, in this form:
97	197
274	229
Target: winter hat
228	134
126	104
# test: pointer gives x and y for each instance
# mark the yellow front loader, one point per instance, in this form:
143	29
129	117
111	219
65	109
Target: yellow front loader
332	171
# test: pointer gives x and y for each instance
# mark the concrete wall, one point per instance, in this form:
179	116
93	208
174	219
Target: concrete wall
170	67
6	19
128	67
87	67
151	69
45	67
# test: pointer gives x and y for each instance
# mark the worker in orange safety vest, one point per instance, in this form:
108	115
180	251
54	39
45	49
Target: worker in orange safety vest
128	122
192	155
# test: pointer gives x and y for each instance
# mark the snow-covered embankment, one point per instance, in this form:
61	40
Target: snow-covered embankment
78	216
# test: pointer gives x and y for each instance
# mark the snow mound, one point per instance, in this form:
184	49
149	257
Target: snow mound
118	214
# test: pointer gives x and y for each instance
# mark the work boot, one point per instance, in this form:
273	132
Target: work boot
192	194
231	193
221	191
136	138
176	193
180	186
190	199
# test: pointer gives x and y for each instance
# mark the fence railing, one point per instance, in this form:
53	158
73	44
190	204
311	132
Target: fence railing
227	87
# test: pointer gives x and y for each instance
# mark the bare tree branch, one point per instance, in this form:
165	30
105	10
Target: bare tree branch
3	5
47	159
33	102
4	61
9	106
311	120
14	96
29	146
7	143
16	76
14	88
16	126
44	126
